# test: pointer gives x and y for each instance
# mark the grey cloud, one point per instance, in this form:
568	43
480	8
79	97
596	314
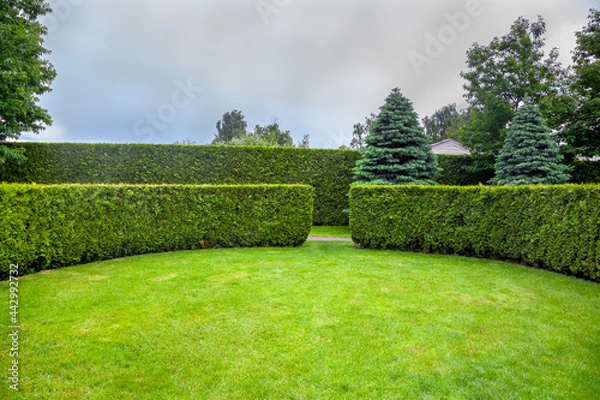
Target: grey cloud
318	66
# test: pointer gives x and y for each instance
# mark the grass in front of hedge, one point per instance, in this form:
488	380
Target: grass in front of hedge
322	321
331	231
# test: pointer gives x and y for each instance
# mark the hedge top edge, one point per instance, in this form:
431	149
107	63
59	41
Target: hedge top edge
473	187
165	185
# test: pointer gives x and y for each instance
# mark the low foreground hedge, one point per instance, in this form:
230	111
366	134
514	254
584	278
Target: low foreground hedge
328	171
51	226
551	227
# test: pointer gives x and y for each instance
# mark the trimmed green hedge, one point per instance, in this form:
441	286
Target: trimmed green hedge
328	171
551	227
51	226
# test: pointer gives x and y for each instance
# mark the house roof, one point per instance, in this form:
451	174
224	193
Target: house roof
449	146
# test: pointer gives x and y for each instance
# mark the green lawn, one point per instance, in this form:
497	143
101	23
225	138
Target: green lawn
322	321
331	231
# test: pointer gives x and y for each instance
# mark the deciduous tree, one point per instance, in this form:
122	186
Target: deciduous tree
269	135
305	142
360	133
231	126
445	123
582	132
505	72
24	72
274	135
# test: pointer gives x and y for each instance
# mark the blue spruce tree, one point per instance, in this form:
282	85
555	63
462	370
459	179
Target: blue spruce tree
397	152
529	155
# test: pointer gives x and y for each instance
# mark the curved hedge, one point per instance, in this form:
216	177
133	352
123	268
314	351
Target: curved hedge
328	171
51	226
551	227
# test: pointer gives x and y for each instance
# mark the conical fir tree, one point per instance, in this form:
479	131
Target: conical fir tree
397	152
529	155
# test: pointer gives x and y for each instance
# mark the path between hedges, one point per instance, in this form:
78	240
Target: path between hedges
327	239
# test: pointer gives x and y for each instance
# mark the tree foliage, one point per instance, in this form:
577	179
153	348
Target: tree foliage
231	130
274	135
305	142
360	133
24	73
445	123
501	75
529	155
267	136
249	140
397	152
232	125
582	133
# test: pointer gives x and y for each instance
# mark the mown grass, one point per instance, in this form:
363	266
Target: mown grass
331	231
322	321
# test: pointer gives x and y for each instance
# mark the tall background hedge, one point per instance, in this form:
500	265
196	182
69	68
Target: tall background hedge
57	225
554	227
328	171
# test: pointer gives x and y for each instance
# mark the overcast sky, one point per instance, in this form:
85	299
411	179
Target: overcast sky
160	71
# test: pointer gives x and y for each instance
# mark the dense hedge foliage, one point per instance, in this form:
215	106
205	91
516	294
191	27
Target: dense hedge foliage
328	171
48	226
552	227
464	170
470	171
585	172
